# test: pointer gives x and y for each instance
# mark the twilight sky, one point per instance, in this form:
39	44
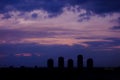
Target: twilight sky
31	31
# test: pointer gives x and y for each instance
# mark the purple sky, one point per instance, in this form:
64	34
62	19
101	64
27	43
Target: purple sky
31	31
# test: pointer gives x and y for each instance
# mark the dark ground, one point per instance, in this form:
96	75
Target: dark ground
59	74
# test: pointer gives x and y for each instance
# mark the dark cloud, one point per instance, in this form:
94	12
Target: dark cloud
6	16
118	20
99	6
116	27
101	46
103	6
34	15
29	5
15	34
9	34
55	6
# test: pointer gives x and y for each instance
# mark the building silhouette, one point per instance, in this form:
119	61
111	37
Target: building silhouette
50	63
80	61
70	63
90	63
60	62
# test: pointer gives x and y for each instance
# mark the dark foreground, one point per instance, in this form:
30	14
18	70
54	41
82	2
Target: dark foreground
59	74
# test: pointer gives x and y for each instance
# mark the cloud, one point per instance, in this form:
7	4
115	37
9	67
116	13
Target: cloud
101	7
114	45
37	26
62	41
3	56
24	55
13	35
27	54
55	6
70	17
116	28
52	6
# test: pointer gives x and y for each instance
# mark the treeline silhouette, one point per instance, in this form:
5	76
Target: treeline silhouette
61	72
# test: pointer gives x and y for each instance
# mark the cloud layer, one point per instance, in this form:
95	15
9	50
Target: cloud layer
72	26
55	6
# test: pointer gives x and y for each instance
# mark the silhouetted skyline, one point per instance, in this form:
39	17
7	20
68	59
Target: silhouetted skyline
70	63
80	61
61	72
